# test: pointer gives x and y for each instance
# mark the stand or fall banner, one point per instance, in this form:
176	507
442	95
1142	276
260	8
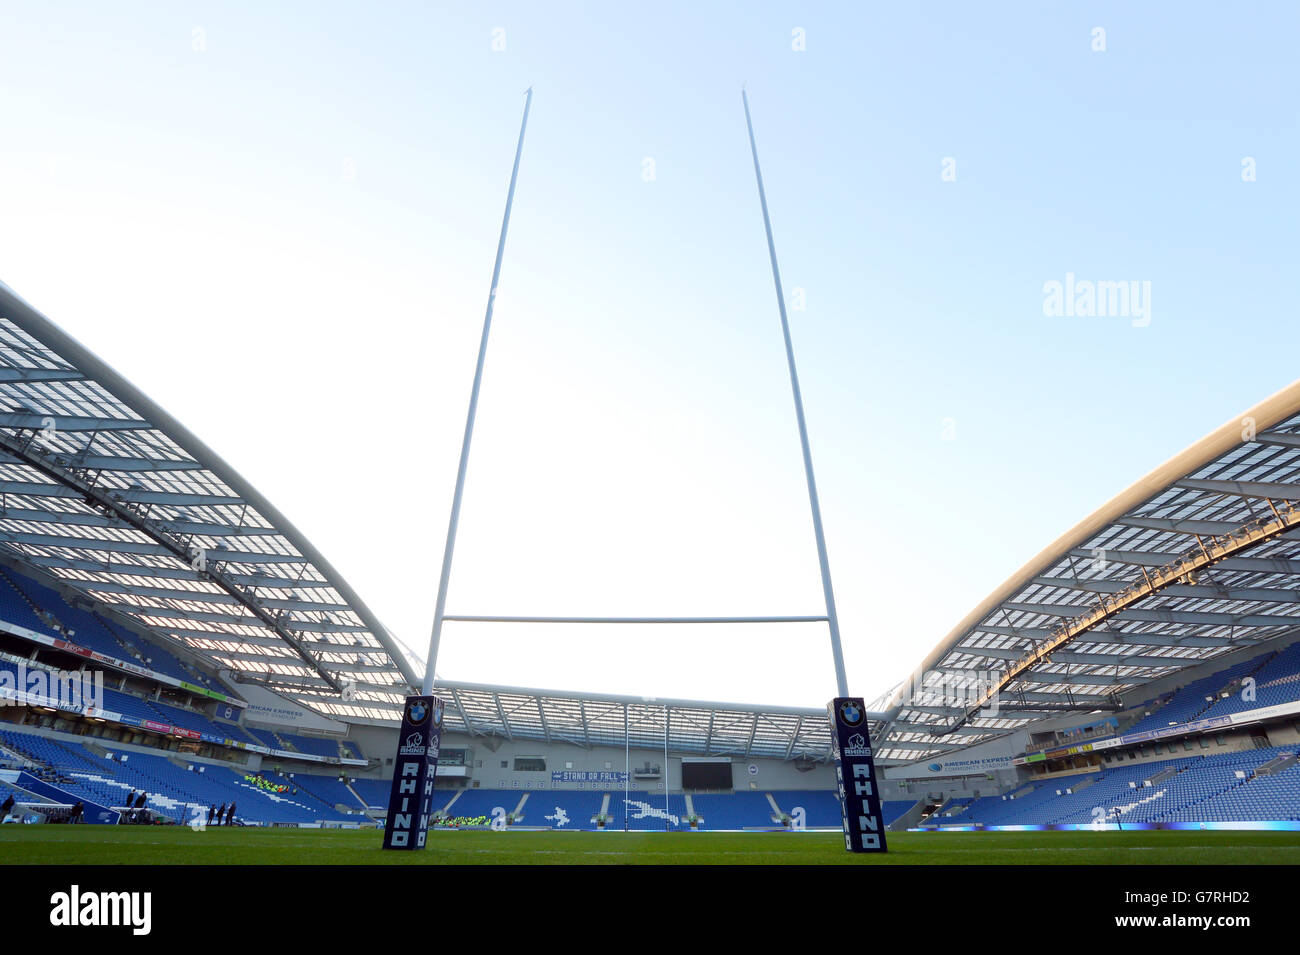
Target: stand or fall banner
410	802
855	776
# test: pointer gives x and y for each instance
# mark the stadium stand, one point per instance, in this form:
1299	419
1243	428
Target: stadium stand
645	811
186	719
1257	797
1277	680
821	807
328	789
157	657
264	738
1251	785
30	604
20	795
176	787
315	745
17	608
1193	784
476	802
54	616
561	809
375	792
741	810
1189	703
1209	788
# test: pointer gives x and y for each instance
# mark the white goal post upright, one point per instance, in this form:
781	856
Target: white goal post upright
832	620
440	606
860	809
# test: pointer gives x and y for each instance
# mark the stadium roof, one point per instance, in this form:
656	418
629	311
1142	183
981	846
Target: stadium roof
1198	559
104	490
591	719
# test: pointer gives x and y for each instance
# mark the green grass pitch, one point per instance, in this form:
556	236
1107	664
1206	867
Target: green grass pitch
73	845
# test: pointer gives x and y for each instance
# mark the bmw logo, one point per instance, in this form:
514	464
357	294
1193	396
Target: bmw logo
850	713
417	711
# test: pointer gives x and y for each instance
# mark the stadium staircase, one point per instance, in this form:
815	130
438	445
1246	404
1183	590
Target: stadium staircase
72	753
1165	774
278	798
1199	713
96	811
42	617
165	662
1279	764
952	808
910	818
1264	661
94	748
1230	686
9	754
446	810
129	650
9	787
21	752
356	795
305	789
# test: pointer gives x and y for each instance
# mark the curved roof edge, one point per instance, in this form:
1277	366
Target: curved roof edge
646	701
1269	412
22	314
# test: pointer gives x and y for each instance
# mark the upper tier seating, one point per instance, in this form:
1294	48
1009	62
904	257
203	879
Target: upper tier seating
30	604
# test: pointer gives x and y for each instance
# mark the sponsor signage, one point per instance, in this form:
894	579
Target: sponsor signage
267	708
855	776
952	767
58	643
37	699
575	776
410	801
1164	732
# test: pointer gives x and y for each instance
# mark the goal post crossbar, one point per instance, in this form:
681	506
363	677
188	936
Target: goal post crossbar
477	618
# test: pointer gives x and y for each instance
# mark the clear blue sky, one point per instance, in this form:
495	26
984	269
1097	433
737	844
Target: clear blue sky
282	227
